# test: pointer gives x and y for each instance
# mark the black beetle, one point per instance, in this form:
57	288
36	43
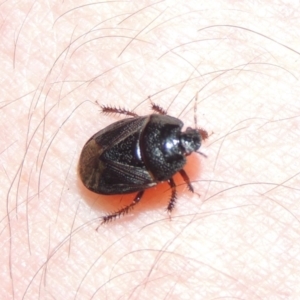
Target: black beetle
137	153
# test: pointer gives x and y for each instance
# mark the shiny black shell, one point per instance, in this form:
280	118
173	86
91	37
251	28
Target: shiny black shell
135	154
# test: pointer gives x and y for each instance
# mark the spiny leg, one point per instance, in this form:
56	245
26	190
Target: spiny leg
186	180
124	210
172	201
157	108
114	110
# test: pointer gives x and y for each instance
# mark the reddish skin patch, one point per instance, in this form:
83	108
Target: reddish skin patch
154	198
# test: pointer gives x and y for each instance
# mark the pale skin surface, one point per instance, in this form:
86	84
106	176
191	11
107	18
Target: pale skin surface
239	239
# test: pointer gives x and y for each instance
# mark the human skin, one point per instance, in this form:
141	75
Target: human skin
237	236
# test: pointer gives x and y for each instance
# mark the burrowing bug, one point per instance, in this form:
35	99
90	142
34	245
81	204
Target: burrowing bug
137	153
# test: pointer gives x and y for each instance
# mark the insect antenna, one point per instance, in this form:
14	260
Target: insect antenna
203	133
201	153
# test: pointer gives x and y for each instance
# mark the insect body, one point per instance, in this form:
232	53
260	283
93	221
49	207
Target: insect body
137	153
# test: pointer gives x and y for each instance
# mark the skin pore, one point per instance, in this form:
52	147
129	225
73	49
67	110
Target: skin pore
237	236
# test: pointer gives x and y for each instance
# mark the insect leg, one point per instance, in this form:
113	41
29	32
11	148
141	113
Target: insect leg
186	180
124	210
122	111
157	108
172	201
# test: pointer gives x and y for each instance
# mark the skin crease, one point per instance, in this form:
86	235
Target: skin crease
238	236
